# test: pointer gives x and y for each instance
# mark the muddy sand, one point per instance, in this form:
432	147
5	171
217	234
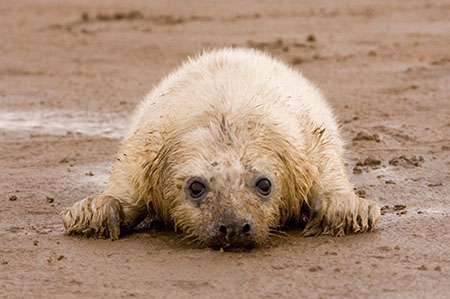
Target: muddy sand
71	73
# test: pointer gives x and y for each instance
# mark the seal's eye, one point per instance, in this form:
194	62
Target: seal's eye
196	189
263	186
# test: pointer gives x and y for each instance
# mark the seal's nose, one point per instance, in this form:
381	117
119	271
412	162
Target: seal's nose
231	230
230	227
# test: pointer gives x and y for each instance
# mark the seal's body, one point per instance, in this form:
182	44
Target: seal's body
226	148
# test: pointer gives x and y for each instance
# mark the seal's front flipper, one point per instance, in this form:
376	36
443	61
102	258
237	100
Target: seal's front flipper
101	216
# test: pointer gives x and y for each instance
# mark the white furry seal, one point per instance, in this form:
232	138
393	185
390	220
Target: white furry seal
228	147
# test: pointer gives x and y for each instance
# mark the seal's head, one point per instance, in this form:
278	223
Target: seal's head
224	184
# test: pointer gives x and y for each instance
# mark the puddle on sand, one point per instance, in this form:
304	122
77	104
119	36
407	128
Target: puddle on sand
60	122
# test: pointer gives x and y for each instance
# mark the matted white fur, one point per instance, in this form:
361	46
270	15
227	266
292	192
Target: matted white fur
228	117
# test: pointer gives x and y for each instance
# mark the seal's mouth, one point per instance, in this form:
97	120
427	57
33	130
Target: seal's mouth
234	247
224	243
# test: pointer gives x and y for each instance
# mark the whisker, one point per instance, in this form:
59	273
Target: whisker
276	232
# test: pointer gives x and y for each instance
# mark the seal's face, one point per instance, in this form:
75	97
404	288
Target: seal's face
227	193
232	203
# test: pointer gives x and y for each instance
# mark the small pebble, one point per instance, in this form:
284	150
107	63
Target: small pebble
13	198
315	269
311	38
399	207
357	170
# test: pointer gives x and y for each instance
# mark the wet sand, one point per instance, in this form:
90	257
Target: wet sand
71	73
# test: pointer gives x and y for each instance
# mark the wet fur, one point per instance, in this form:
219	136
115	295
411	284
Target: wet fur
205	112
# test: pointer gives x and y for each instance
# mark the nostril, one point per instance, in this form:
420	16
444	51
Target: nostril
246	228
223	230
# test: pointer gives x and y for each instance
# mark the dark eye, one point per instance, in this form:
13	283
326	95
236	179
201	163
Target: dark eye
196	189
263	186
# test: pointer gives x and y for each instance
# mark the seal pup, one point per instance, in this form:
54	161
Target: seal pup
229	146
